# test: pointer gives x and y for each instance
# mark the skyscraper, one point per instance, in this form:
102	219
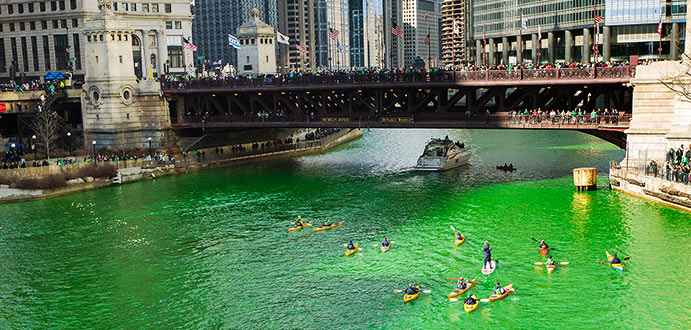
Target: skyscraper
393	45
296	20
332	14
357	33
453	32
215	19
420	22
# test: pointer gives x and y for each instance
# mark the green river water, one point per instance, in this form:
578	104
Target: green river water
210	250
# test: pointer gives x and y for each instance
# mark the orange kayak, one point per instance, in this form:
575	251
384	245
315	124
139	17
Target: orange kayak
507	291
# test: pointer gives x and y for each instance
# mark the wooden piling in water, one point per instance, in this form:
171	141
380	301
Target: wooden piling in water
585	178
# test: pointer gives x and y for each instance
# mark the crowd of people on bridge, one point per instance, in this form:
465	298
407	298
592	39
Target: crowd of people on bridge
564	117
677	166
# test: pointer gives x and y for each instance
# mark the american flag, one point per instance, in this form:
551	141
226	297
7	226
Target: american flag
333	33
659	27
427	39
300	47
187	44
426	15
598	19
397	30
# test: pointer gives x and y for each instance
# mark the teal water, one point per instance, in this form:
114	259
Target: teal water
210	250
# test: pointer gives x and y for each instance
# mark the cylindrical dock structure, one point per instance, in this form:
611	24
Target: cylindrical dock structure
585	178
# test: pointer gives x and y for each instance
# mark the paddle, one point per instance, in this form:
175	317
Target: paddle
455	279
536	241
606	262
423	291
452	228
390	242
542	263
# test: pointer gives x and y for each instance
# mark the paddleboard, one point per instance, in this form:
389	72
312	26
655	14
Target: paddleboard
490	270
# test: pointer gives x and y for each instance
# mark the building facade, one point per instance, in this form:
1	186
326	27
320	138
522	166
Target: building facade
453	31
37	37
374	52
357	32
332	14
258	52
567	32
393	45
296	20
215	19
420	20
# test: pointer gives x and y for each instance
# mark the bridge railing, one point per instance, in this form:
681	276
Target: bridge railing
404	77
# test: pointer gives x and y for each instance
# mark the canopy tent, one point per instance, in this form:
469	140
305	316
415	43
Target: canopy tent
54	76
13	145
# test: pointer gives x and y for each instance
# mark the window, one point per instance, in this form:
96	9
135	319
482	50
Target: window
75	22
11	27
34	51
53	6
42	6
145	7
22	27
169	24
175	56
153	59
32	25
3	60
154	7
60	43
125	6
73	4
115	6
25	54
248	59
62	5
133	7
10	9
178	25
63	23
168	8
120	57
20	8
77	52
55	24
44	25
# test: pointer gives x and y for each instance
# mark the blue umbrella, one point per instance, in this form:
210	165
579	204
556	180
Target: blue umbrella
13	145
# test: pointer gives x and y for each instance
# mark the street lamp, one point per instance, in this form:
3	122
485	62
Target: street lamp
149	138
69	142
93	143
33	146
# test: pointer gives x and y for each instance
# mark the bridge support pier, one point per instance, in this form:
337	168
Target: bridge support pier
490	60
568	47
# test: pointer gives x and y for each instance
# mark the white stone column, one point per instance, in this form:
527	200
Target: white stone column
162	45
687	41
143	46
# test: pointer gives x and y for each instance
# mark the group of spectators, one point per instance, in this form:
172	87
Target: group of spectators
564	117
677	165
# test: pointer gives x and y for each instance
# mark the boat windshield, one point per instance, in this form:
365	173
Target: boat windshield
435	150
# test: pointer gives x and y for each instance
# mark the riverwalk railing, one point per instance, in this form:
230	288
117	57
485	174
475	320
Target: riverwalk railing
357	78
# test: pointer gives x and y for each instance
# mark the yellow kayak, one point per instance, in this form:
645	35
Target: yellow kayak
551	268
618	266
411	297
350	252
473	307
458	292
385	248
459	241
328	227
300	227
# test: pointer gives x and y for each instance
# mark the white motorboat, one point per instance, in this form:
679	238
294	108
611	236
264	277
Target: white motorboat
443	154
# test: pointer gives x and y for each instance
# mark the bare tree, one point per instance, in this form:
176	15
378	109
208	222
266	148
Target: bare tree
679	81
47	130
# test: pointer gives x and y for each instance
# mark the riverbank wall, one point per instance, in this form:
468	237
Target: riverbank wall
650	187
133	171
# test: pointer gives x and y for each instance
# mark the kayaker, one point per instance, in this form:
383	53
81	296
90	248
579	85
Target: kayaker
511	166
351	246
462	284
470	300
498	289
299	223
411	289
550	261
506	166
615	260
459	236
543	245
385	243
488	254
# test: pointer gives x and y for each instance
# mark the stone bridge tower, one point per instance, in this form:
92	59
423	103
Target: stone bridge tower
120	111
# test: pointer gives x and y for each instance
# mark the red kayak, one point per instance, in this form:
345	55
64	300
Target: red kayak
543	251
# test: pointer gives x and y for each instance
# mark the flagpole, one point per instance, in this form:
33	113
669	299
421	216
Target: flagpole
484	46
520	39
539	43
230	57
659	33
595	34
429	47
328	38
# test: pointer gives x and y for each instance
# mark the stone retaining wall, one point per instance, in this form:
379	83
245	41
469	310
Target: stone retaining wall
655	189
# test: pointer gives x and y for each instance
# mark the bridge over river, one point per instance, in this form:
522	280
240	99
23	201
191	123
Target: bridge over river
467	99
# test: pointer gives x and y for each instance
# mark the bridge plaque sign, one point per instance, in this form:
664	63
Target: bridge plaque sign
335	119
396	119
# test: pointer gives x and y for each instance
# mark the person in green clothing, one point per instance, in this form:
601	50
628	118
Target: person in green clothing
593	116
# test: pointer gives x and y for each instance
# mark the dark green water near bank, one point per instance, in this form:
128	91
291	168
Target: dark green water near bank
211	250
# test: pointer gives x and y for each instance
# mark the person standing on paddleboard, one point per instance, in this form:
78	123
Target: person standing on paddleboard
488	255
